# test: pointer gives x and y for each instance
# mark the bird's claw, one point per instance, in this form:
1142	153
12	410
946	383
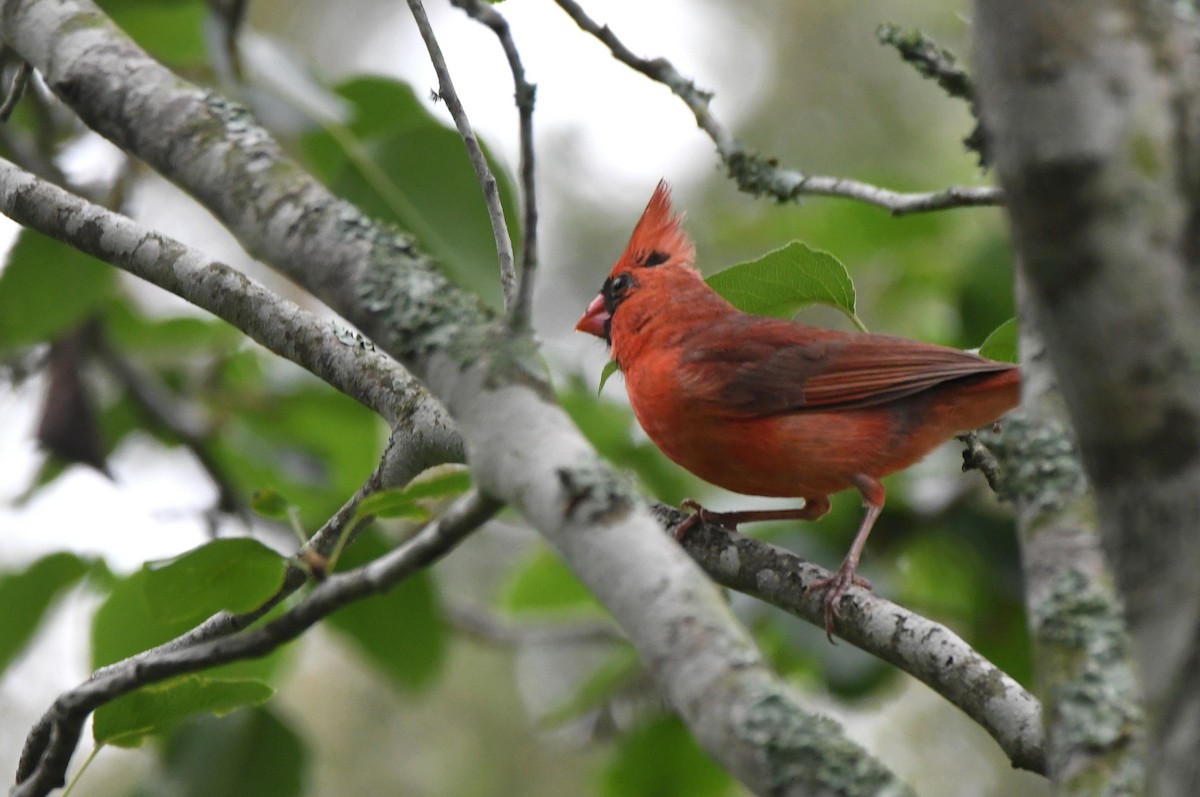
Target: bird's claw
691	520
700	515
835	588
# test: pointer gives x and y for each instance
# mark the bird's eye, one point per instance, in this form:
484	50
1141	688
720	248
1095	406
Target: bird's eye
615	289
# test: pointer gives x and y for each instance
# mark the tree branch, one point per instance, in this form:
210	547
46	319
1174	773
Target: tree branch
914	644
1092	108
525	94
487	181
758	175
939	64
399	464
325	348
1085	677
49	749
16	90
977	456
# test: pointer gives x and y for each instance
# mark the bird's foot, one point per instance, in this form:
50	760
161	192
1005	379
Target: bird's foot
700	515
835	588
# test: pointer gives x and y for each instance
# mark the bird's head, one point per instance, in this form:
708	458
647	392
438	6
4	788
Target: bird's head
659	251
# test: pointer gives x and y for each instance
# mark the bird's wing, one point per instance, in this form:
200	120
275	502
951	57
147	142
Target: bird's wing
761	367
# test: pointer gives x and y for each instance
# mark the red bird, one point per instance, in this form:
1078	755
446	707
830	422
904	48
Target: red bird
764	406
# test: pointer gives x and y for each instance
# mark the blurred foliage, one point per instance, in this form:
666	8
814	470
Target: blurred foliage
28	594
400	632
47	288
170	30
251	752
660	758
544	585
400	164
839	104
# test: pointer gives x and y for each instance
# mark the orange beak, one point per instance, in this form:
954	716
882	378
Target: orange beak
594	320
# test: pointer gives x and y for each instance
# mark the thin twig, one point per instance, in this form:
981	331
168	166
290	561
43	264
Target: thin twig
231	15
938	63
525	94
977	456
757	175
487	181
50	746
16	90
392	471
929	58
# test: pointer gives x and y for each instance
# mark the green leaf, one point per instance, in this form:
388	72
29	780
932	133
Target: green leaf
406	501
249	752
170	30
944	577
26	596
399	163
544	584
662	758
782	282
128	329
610	368
153	709
309	443
125	625
269	504
48	287
235	575
401	632
604	682
1002	343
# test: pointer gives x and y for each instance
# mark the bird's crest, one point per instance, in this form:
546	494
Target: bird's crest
659	238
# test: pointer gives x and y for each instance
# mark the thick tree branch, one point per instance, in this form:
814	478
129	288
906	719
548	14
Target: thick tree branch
525	94
757	175
325	348
45	759
1092	108
492	382
483	172
1085	677
908	641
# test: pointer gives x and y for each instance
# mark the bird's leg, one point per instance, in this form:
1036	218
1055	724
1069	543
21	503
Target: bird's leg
813	508
835	586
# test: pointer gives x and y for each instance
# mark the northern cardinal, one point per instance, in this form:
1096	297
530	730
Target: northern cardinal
770	407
